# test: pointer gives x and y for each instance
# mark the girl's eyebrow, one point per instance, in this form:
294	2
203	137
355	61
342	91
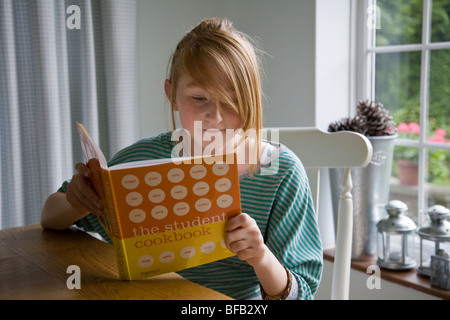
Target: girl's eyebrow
193	84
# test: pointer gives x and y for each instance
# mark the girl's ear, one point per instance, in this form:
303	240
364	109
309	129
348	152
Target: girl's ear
168	90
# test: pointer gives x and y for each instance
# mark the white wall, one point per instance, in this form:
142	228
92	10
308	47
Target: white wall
285	30
333	61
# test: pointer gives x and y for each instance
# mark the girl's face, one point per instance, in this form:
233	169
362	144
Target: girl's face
195	104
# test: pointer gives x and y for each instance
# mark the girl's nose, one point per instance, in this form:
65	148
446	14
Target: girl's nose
214	112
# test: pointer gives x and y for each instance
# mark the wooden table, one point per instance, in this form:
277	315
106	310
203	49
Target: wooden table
34	262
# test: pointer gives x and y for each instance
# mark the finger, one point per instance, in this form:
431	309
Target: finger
92	204
83	196
237	246
83	169
251	235
241	220
90	199
76	203
245	254
85	186
235	235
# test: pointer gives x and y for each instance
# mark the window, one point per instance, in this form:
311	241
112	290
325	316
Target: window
406	49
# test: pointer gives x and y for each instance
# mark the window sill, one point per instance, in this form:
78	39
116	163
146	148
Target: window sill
410	279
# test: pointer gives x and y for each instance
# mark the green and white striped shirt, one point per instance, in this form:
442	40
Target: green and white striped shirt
280	203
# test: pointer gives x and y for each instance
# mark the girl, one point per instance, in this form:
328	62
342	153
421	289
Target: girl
213	84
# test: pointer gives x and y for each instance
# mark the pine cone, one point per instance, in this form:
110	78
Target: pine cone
375	118
371	119
346	124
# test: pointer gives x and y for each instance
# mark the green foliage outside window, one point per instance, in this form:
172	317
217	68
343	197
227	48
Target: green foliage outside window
398	77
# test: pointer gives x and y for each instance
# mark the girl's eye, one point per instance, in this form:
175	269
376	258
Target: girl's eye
199	99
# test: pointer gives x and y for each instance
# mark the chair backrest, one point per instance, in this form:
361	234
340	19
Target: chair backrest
319	149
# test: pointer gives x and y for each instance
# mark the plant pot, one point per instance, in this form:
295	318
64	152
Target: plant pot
370	195
408	172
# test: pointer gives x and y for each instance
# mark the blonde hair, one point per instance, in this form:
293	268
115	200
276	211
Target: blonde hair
214	48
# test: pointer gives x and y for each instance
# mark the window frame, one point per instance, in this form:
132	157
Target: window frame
367	51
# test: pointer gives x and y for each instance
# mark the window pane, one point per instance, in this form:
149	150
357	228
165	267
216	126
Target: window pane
438	179
397	86
439	96
400	22
404	179
440	21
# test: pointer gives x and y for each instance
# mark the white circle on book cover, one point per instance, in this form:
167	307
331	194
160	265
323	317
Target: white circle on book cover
178	192
166	256
159	212
203	204
134	199
181	208
208	247
156	195
219	169
145	261
130	181
200	188
198	171
137	215
223	184
175	175
153	178
187	252
224	201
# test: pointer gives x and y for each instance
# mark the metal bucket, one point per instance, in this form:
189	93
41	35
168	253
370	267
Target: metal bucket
370	195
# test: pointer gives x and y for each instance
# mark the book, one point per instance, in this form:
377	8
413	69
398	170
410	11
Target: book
164	215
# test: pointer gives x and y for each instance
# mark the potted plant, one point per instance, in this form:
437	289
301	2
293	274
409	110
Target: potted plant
370	184
407	158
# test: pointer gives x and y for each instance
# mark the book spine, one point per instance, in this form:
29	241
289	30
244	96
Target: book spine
122	262
114	223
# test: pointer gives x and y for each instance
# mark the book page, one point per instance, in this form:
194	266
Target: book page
94	159
176	160
142	163
90	148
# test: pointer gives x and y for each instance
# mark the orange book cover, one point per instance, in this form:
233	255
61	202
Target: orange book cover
164	215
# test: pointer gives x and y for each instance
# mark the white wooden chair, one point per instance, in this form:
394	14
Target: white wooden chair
319	149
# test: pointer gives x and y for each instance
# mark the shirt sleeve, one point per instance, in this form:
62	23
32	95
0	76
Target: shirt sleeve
293	233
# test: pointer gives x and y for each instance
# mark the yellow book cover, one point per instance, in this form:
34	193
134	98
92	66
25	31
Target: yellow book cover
164	215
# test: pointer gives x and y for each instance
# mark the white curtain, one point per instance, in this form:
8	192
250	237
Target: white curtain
53	74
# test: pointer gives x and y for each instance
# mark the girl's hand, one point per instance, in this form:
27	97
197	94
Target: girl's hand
243	237
80	194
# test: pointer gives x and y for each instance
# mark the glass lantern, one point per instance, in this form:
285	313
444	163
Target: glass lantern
395	238
434	237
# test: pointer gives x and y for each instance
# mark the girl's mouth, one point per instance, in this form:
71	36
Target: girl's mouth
213	130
